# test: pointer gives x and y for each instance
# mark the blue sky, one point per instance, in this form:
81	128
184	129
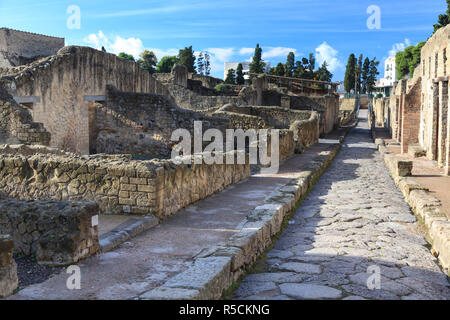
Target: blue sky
230	29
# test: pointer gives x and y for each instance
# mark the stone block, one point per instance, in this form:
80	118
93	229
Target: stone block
404	168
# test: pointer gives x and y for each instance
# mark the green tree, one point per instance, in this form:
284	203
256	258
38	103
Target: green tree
443	19
323	74
299	70
240	80
349	78
126	56
186	58
231	77
290	64
407	60
365	74
207	64
200	63
166	64
280	70
373	73
148	61
311	65
359	68
257	65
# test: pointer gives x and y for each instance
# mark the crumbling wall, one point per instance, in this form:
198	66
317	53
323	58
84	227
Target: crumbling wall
329	112
118	185
19	47
55	232
16	124
62	82
347	111
191	100
142	124
298	129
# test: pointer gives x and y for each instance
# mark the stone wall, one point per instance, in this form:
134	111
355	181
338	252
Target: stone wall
347	111
189	99
16	124
328	112
141	123
56	233
118	185
207	81
298	129
434	69
63	81
18	47
8	267
417	110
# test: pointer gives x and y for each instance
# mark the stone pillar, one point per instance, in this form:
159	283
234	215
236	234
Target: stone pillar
180	75
442	122
411	116
8	267
447	160
432	153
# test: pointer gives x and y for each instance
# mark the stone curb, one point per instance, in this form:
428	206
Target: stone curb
215	269
125	231
426	207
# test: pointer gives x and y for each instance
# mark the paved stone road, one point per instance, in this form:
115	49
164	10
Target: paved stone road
354	221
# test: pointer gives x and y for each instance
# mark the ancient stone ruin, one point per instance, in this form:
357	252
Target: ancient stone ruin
81	125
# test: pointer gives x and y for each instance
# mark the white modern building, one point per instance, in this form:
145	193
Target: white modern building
245	68
385	84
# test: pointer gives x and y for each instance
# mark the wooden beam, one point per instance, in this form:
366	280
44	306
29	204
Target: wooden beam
94	98
29	99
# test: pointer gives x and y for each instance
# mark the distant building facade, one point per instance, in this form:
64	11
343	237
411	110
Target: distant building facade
385	84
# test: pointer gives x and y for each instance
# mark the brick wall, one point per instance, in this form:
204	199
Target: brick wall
411	116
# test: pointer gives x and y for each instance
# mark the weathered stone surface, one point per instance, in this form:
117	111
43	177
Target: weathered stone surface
210	276
309	291
8	279
57	233
352	224
162	293
8	267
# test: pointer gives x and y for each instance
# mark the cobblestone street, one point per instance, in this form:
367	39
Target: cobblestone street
354	223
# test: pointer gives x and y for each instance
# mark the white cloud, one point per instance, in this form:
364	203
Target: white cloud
159	53
274	52
325	52
221	54
133	46
399	47
246	51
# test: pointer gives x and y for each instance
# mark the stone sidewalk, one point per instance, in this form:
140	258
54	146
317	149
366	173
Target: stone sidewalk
150	259
355	224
